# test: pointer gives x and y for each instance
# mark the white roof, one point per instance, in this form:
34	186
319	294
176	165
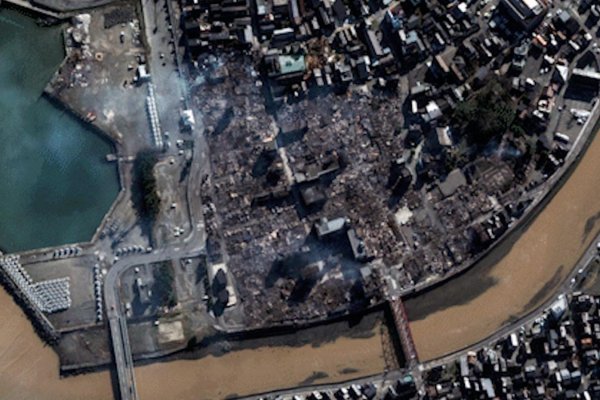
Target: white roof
433	110
188	117
563	72
533	5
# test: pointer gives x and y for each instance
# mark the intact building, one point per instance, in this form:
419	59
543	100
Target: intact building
527	13
586	77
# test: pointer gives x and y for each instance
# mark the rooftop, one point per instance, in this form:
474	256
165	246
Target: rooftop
290	64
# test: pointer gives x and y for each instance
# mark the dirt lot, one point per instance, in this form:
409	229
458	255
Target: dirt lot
96	79
174	220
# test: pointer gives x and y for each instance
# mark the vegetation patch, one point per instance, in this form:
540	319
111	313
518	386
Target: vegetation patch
163	288
144	191
487	114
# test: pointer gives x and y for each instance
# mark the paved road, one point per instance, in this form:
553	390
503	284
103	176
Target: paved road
164	66
168	80
119	336
379	381
116	317
122	357
568	285
389	378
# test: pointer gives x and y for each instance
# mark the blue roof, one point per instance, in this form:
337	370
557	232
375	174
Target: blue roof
290	64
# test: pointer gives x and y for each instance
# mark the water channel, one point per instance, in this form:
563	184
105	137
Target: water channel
522	273
55	185
29	370
55	188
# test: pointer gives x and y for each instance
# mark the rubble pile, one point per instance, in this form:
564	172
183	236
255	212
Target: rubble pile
352	141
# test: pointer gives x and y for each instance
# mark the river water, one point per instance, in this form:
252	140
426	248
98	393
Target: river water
518	275
29	370
55	185
462	312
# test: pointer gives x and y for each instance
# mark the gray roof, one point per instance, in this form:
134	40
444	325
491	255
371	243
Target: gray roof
453	181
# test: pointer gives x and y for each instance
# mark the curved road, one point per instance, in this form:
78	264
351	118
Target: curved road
566	287
118	321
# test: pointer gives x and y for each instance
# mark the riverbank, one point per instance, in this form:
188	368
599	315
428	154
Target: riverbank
29	368
236	374
41	324
517	275
356	325
544	194
338	353
582	278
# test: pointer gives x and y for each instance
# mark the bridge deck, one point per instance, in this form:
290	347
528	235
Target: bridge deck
123	358
403	329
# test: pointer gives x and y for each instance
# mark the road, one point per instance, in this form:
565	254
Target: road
169	80
119	336
171	97
391	377
122	357
117	319
567	287
164	65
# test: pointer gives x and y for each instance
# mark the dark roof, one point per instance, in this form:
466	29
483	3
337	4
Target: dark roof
220	278
223	297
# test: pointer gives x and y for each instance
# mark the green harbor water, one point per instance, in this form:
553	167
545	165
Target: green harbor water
55	185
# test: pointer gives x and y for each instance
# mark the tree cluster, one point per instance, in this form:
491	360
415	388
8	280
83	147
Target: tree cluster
163	284
144	192
486	115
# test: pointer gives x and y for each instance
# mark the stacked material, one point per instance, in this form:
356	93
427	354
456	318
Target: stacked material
66	252
48	296
98	292
52	295
153	117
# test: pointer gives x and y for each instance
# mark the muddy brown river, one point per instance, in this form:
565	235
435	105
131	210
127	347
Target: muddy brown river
29	370
518	275
259	370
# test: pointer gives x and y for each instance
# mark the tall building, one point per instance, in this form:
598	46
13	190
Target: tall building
527	13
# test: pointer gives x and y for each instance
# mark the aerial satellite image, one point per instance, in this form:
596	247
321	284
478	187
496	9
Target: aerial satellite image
299	199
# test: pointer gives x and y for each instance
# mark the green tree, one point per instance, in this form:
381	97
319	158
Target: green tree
144	191
163	284
486	115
